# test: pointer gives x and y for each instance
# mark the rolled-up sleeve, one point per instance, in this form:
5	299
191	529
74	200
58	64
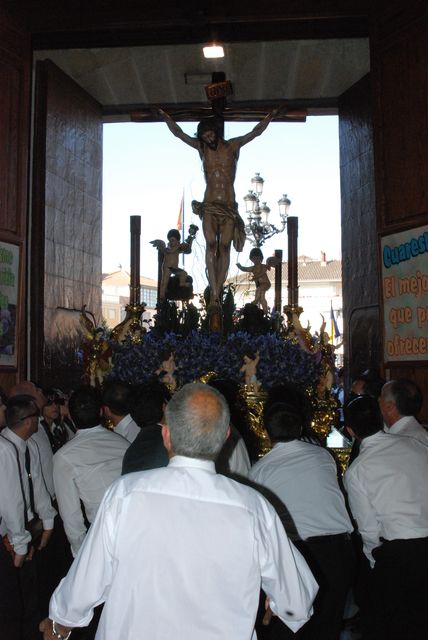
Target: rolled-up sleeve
12	506
88	581
68	498
286	577
42	499
364	514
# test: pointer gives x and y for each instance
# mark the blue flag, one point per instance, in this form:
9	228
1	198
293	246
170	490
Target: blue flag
334	331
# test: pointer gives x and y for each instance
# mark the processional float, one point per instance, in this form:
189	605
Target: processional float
249	347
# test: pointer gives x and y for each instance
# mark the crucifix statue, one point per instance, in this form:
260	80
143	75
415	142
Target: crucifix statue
221	222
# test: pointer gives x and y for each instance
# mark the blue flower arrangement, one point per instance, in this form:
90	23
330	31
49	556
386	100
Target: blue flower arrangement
198	353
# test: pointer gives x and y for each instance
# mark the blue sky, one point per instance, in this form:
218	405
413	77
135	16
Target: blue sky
146	170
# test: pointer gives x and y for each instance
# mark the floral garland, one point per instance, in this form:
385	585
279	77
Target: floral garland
195	355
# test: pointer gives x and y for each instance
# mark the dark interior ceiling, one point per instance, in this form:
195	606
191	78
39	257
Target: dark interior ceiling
306	74
130	56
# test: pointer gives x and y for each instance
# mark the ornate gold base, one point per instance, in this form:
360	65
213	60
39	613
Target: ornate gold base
131	326
255	405
342	456
291	310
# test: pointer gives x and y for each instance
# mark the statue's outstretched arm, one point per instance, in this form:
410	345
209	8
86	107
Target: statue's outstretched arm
250	269
185	247
258	129
272	261
178	131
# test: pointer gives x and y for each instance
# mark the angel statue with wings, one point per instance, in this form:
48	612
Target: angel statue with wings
170	253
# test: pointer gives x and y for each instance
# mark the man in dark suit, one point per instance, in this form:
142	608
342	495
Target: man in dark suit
147	406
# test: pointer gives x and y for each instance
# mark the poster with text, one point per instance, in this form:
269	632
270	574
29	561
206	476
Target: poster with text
9	269
405	295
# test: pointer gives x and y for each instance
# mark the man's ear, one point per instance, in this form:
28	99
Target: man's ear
166	437
227	434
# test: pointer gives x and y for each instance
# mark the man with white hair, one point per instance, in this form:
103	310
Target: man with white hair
387	488
400	401
180	551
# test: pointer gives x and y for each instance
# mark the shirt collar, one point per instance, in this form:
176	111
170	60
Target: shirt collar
11	435
373	439
97	429
399	424
194	463
124	422
291	444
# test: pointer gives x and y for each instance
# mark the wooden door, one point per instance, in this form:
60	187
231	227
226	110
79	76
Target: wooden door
66	222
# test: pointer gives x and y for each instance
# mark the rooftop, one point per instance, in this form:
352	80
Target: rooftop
122	278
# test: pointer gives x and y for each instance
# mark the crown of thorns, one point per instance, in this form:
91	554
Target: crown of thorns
212	123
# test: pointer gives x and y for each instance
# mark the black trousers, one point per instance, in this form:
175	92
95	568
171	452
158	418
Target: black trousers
332	561
11	612
53	563
399	584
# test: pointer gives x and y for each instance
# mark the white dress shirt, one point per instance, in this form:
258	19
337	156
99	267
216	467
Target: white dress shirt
387	486
409	426
179	552
41	438
83	469
127	428
239	461
12	506
304	477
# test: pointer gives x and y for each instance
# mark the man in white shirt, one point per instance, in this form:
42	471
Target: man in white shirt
400	401
180	551
40	437
116	397
303	476
56	559
388	494
23	493
85	466
23	497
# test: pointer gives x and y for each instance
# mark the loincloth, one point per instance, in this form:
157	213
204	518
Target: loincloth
221	213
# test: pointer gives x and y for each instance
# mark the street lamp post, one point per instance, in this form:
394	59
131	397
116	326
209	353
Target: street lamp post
258	228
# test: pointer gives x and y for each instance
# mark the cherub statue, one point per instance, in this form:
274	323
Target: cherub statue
171	253
249	369
167	370
260	276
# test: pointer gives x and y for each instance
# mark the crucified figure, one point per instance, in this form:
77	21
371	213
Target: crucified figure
221	222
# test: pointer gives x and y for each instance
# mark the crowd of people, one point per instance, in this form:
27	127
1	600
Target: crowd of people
130	512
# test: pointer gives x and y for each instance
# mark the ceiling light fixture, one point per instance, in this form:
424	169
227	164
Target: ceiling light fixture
213	51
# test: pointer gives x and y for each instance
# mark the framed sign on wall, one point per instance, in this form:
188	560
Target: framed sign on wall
405	295
9	279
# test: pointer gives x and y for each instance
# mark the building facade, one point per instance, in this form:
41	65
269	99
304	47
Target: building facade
320	291
115	297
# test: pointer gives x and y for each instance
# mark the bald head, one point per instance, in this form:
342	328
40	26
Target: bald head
29	389
198	419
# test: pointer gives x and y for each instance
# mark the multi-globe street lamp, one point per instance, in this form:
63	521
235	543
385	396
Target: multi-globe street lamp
258	228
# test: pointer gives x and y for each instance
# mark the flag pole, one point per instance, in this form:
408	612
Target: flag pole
182	225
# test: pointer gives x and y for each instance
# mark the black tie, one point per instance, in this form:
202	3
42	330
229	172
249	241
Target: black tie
60	435
30	480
